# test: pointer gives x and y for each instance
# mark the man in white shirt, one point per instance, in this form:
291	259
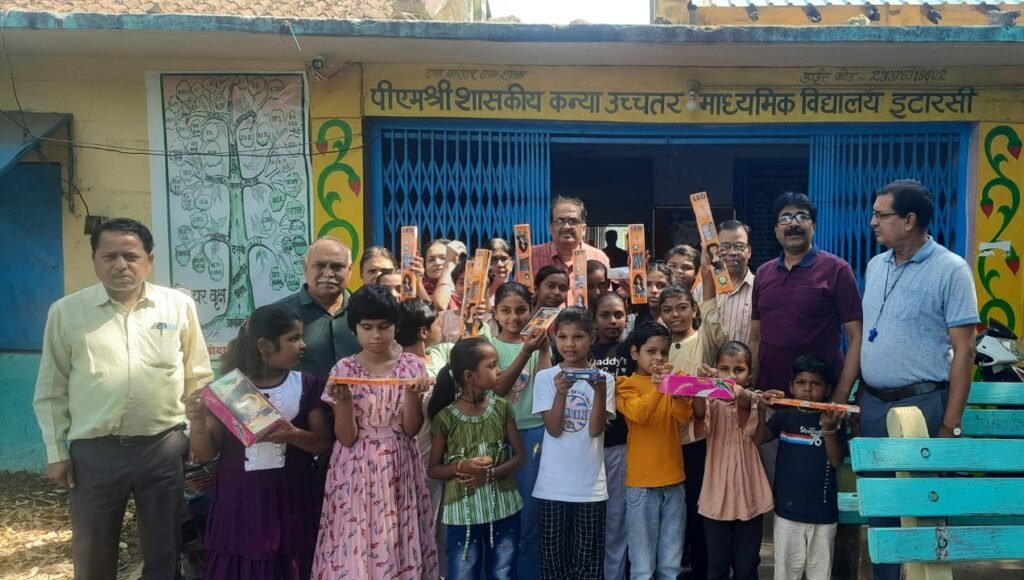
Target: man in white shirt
118	358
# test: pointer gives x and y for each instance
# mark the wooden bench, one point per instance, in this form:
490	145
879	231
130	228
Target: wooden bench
958	499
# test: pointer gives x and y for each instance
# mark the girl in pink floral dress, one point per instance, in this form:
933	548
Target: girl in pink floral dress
376	521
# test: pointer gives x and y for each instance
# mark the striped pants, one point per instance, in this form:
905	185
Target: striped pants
572	540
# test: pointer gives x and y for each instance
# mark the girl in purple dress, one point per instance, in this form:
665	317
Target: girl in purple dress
265	497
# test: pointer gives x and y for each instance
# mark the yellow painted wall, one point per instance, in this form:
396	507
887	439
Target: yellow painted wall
337	159
107	97
999	226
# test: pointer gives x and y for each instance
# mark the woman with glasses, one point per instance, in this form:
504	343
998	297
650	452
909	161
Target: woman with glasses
501	265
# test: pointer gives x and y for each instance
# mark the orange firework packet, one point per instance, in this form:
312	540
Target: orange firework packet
410	244
637	263
374	382
524	265
578	288
476	291
709	235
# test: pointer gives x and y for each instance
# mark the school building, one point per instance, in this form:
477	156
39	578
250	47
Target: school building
466	128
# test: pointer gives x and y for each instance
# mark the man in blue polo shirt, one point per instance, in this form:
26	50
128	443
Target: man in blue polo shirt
919	305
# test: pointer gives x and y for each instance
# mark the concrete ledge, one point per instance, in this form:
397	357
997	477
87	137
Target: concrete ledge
497	32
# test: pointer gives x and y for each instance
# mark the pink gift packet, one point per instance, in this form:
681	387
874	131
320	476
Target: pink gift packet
243	409
689	386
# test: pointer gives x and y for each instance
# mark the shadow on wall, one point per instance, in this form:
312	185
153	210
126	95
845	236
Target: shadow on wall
20	439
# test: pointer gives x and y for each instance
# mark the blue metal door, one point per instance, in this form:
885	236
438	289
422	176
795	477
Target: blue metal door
465	184
847	168
33	250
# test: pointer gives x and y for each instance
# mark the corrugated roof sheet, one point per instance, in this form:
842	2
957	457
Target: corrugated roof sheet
20	131
333	9
936	3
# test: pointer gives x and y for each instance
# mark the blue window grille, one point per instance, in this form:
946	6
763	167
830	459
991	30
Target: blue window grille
463	184
847	168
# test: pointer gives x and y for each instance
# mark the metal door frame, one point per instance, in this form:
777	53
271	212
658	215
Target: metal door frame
699	134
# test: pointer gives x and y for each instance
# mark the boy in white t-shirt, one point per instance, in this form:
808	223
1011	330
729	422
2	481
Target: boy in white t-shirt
571	481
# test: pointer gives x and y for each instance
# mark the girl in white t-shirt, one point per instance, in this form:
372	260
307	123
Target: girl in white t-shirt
571	482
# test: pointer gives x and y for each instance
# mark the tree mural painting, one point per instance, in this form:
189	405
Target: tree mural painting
238	191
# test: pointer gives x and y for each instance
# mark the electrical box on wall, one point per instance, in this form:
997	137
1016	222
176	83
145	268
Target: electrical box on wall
93	223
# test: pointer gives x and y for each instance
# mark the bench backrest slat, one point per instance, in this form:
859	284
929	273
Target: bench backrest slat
996	394
938	497
993	423
930	544
881	454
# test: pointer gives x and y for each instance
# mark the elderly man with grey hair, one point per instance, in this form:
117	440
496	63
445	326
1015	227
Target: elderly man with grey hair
322	304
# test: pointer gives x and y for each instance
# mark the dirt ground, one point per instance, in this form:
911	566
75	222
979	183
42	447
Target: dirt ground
35	537
35	531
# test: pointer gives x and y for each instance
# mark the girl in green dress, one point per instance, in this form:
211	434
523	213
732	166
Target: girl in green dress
475	449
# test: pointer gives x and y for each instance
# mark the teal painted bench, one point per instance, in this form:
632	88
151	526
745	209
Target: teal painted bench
958	499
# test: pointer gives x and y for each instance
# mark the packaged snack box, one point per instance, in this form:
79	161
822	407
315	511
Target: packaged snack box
542	319
689	386
581	374
243	409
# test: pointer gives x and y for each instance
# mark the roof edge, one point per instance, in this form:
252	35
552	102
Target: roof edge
511	33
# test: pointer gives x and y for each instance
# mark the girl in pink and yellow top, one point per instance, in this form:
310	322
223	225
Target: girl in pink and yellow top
736	493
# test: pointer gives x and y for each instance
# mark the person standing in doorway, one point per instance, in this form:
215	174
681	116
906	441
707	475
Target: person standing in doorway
920	303
118	359
802	302
617	257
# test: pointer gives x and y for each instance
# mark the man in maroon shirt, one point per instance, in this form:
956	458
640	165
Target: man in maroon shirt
802	302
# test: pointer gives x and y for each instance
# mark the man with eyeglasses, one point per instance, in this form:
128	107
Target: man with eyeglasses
322	304
920	304
568	226
802	302
734	307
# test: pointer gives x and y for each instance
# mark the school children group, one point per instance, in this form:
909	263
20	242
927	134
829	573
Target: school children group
531	474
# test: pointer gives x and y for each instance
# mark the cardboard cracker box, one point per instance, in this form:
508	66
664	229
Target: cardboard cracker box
578	288
476	290
243	409
410	246
709	235
637	263
524	261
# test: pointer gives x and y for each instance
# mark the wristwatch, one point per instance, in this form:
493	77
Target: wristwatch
955	431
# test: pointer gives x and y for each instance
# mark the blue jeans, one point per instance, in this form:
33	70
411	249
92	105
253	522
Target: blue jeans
526	479
615	524
496	562
655	520
873	424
